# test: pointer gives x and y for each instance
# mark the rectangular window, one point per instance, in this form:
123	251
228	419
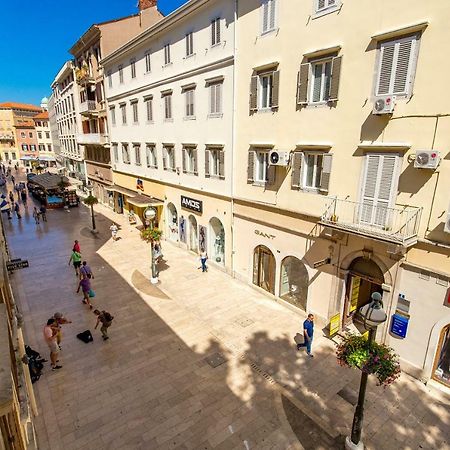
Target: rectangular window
133	67
123	111
39	134
214	161
148	65
121	74
261	165
115	148
125	154
112	112
320	81
189	96
215	99
215	31
30	135
169	158
137	154
149	108
41	147
189	44
268	11
13	155
134	107
150	152
32	147
190	160
167	54
23	135
109	76
49	147
396	66
321	5
313	170
168	107
24	147
265	90
47	135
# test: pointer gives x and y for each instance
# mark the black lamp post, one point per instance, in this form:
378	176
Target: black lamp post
373	315
150	214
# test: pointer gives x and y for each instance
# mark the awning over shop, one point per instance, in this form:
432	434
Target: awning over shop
121	190
142	201
48	180
28	158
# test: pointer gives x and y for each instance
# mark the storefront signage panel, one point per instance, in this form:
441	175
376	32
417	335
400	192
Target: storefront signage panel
191	204
335	322
399	325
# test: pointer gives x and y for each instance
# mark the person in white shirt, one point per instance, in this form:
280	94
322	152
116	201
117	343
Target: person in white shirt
114	231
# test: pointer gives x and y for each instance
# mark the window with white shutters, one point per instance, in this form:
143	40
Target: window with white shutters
215	31
137	154
169	158
189	98
379	189
150	154
168	107
396	66
322	5
123	110
215	99
134	107
125	154
115	148
268	15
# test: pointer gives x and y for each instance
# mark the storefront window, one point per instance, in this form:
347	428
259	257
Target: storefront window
264	269
441	370
294	282
172	222
193	234
217	245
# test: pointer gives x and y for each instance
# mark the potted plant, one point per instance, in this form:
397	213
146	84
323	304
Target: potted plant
151	234
370	357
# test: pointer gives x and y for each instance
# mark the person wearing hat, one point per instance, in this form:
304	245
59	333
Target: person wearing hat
60	320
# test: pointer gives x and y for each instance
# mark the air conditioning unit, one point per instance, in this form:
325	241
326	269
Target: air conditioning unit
447	221
384	105
427	159
277	158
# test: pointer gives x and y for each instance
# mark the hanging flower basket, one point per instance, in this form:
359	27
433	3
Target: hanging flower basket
151	234
373	358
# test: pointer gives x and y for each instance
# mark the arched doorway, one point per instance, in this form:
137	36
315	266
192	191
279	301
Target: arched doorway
172	222
193	234
294	282
441	366
364	278
264	268
217	241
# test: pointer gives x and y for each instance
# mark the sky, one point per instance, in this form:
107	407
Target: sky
35	37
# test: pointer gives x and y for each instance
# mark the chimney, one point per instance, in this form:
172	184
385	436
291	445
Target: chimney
145	4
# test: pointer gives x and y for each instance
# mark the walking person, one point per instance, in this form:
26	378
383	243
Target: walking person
105	318
60	320
76	246
203	259
11	197
23	196
36	215
114	231
17	210
85	270
50	332
43	212
308	333
12	178
75	258
85	285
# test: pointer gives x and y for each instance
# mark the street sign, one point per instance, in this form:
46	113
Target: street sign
399	325
18	263
321	263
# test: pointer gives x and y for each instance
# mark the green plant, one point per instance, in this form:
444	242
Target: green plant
370	357
151	234
90	200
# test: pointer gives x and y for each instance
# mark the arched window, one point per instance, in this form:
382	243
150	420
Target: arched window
294	282
264	268
441	369
217	240
193	234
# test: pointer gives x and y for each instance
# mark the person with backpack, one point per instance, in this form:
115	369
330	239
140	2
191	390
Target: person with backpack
105	318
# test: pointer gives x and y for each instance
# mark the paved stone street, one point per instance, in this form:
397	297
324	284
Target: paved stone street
201	361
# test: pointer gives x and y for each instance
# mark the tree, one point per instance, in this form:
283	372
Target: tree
90	200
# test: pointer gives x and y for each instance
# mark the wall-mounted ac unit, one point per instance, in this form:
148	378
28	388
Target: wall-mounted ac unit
384	104
427	159
277	158
447	221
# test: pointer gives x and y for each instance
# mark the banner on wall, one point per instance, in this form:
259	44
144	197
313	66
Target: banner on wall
354	293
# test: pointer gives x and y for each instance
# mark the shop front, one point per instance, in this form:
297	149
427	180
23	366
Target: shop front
100	176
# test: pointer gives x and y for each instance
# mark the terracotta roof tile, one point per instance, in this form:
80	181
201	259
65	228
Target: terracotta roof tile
15	105
42	115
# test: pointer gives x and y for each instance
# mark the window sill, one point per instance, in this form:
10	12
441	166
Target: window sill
217	44
326	11
149	122
138	164
135	123
189	118
270	32
324	104
260	183
168	120
189	56
147	73
215	115
167	65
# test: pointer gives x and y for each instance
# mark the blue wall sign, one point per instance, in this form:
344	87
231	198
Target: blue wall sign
399	325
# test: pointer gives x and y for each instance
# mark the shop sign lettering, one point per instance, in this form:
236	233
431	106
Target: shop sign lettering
192	204
266	235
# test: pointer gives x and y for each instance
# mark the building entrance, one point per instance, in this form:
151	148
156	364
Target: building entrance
264	269
441	367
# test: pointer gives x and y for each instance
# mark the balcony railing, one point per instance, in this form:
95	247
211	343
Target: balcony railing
92	138
398	225
83	76
88	106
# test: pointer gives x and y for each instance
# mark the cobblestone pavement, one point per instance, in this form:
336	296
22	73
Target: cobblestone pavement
200	361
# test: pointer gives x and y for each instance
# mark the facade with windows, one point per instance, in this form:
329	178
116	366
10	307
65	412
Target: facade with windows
170	105
46	154
345	90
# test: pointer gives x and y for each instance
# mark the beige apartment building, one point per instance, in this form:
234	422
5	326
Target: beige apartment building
46	154
342	165
96	43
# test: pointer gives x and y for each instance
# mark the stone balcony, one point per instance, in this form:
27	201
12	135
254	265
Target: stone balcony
92	139
88	107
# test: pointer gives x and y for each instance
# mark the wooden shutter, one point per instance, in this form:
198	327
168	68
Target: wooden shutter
217	31
183	152
222	165
386	67
265	12
402	66
335	78
272	14
194	156
251	167
207	163
385	191
164	158
320	4
271	175
302	84
153	149
275	88
254	94
218	98
326	172
296	170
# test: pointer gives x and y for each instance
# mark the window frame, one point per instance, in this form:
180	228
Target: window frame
327	8
109	76
149	109
112	113
189	104
133	68
216	32
261	76
169	151
167	56
271	17
151	156
168	113
115	149
316	181
214	164
189	158
189	40
217	87
265	154
120	70
123	111
137	154
312	64
148	61
135	111
126	153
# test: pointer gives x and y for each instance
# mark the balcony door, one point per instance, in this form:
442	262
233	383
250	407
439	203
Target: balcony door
379	189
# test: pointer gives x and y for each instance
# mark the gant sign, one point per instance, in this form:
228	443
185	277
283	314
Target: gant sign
192	204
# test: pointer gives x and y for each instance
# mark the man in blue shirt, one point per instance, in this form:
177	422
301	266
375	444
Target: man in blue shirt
308	332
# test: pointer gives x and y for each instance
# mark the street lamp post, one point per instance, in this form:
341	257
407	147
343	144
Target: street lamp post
90	188
150	214
373	315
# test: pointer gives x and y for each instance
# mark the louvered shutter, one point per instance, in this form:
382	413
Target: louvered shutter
155	160
326	172
254	93
320	4
194	156
335	78
302	84
386	183
183	152
296	170
213	32
164	159
218	98
265	13
272	11
222	165
271	175
207	163
251	167
402	66
218	31
370	188
386	66
275	88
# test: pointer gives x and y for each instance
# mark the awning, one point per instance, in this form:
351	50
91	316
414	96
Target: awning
121	190
28	158
48	180
142	200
